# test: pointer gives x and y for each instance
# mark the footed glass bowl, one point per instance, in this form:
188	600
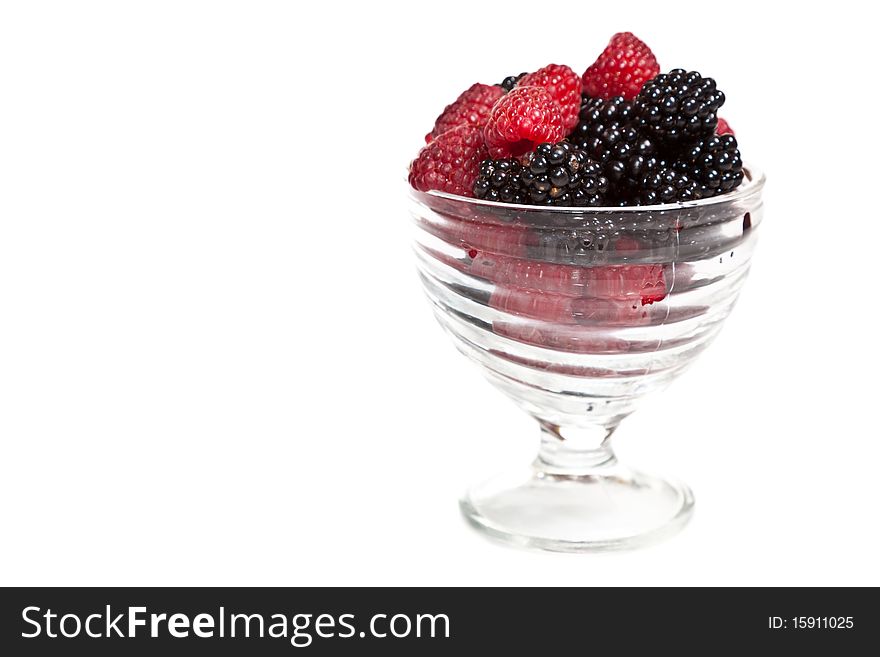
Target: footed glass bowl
576	314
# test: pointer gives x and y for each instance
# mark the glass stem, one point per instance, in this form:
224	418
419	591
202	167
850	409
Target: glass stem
574	451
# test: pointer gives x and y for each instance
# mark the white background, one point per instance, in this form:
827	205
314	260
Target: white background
217	366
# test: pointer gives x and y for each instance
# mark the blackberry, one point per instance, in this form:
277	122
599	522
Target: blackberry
667	185
553	174
501	180
572	246
597	114
609	133
714	163
510	81
678	106
562	174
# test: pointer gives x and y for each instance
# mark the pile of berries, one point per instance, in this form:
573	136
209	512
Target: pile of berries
620	134
556	174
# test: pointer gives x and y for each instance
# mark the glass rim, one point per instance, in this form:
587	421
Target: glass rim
753	183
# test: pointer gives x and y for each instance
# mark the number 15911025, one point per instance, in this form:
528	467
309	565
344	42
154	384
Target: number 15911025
810	622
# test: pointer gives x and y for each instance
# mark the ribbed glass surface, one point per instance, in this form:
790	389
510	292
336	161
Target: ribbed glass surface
574	312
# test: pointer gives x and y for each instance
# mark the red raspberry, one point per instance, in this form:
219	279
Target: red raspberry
471	107
648	281
639	284
563	85
644	284
565	280
622	68
723	128
450	163
566	323
522	119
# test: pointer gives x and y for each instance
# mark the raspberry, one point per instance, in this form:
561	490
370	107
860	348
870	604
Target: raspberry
622	68
563	323
650	279
639	284
563	85
522	119
471	107
612	296
642	283
450	163
723	128
564	280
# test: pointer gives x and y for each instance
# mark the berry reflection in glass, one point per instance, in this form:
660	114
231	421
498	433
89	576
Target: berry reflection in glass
576	314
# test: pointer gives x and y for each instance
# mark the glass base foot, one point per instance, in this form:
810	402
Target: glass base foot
609	509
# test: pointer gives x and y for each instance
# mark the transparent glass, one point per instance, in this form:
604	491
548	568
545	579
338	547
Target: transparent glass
576	314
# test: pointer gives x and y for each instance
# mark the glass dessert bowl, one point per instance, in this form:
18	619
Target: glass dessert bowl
576	314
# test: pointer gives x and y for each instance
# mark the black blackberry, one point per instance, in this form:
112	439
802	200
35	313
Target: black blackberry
678	106
666	185
501	180
562	174
598	114
510	81
553	174
568	245
714	163
609	133
625	155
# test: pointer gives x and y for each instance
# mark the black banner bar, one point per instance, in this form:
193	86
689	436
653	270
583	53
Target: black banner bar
436	621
